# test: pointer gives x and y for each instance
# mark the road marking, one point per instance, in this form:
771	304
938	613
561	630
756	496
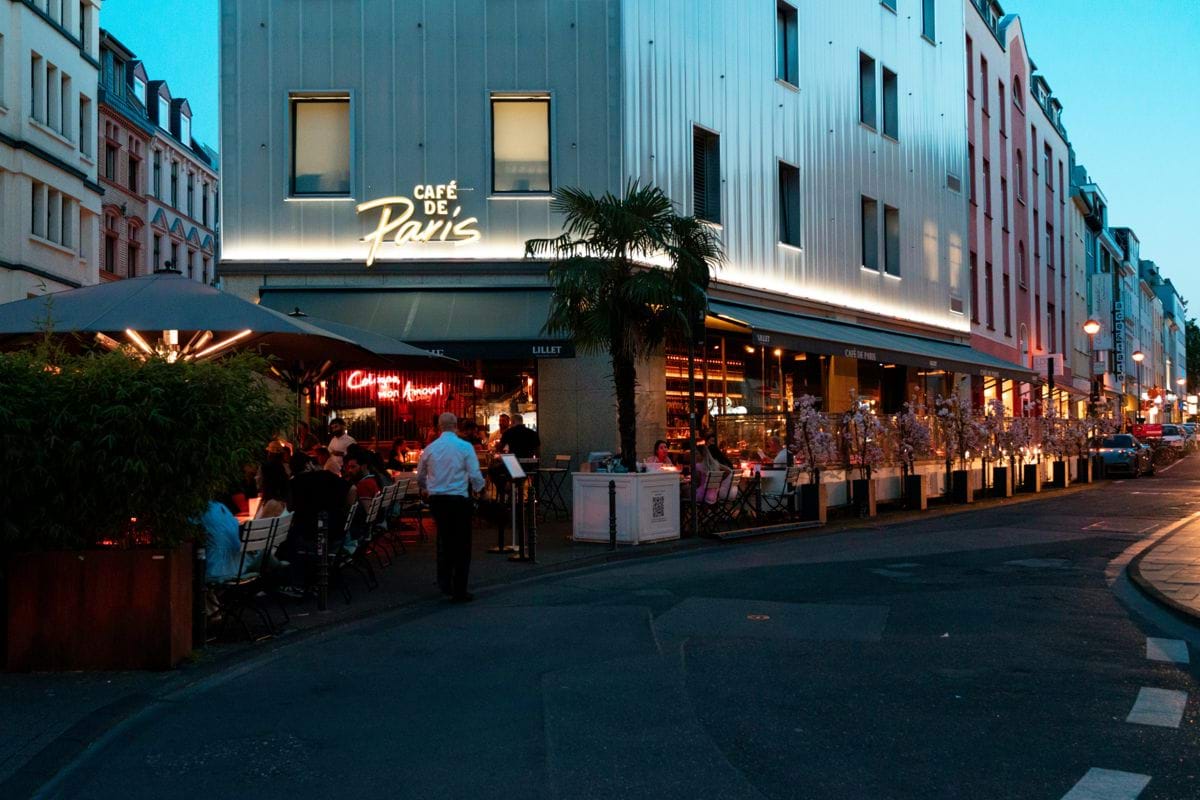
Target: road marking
1172	650
1160	707
1108	784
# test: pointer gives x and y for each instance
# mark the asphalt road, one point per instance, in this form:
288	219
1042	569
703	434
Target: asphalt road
978	655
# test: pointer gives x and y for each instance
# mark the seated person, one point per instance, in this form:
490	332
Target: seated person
319	497
660	457
521	441
274	498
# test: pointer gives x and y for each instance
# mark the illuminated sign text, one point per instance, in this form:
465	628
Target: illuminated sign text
443	221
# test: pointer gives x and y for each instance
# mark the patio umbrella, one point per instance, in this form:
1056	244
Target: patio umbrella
178	318
396	351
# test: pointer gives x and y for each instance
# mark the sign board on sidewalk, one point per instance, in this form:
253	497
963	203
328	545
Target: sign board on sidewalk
1148	431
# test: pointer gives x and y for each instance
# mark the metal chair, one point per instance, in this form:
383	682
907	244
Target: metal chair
235	593
551	481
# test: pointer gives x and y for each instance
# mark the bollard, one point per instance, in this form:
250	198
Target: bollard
199	612
322	563
612	515
532	527
519	521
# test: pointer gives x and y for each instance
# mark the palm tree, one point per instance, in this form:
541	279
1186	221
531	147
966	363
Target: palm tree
606	297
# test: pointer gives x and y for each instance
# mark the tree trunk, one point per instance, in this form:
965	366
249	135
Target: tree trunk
625	385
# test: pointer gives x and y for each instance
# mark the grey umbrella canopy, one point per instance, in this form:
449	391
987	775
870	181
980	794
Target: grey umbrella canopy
199	315
396	351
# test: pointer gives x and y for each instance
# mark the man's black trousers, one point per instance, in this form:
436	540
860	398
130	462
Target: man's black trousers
452	515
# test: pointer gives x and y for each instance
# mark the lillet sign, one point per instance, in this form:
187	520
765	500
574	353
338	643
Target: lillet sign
432	214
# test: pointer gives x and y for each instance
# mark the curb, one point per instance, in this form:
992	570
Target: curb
52	761
1184	612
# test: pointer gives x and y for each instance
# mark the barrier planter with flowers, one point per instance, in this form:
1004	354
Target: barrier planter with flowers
862	435
1002	482
961	488
1062	474
814	447
1033	478
1083	470
99	518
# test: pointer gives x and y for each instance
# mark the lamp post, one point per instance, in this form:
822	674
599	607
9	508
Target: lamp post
1091	328
1182	384
1138	358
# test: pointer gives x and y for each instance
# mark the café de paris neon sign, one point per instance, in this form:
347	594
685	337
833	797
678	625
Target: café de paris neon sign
387	387
443	222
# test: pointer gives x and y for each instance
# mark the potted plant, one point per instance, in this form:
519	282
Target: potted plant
1027	452
1056	442
997	447
862	433
1081	433
100	513
814	448
960	437
913	441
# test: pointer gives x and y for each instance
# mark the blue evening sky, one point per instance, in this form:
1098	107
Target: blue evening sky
1125	73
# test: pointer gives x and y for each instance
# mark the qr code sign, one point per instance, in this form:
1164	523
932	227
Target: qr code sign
658	506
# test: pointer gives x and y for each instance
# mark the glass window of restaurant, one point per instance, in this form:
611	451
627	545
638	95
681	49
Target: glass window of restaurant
745	389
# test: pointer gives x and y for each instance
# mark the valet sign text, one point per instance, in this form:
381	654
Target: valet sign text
432	214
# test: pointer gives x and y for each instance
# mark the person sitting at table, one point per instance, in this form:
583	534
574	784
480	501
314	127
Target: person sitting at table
707	464
398	456
275	494
717	453
775	453
316	493
504	423
521	441
660	457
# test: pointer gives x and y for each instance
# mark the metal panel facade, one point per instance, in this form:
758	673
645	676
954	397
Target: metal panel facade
712	63
419	75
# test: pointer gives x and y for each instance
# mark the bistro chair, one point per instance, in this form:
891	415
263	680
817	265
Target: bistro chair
237	592
708	502
784	501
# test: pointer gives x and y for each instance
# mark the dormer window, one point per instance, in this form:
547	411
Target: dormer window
139	89
185	129
164	113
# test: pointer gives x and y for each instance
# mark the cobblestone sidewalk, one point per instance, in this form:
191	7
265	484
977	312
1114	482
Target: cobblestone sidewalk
1169	570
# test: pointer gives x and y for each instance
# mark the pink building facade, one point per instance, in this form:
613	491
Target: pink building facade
160	185
1019	216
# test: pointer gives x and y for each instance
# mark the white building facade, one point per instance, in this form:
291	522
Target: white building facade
49	218
823	140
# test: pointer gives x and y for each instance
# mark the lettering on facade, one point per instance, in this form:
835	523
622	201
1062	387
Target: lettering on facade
1119	342
762	338
547	351
865	355
387	387
399	222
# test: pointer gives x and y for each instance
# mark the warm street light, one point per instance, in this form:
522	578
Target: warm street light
1138	357
1091	327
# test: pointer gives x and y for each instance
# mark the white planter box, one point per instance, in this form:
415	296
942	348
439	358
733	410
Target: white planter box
647	506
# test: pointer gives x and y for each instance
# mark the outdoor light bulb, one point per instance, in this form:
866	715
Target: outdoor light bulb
1181	381
1138	356
171	338
778	352
1091	327
749	349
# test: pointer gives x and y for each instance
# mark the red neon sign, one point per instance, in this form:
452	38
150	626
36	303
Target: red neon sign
393	387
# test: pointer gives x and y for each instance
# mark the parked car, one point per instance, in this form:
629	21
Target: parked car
1123	453
1174	436
1193	433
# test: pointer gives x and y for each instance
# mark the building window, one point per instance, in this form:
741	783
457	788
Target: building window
987	188
870	233
139	89
1016	84
1007	290
1037	237
191	263
1	70
787	55
989	297
706	175
891	104
110	246
1047	166
970	67
156	175
204	204
984	87
37	205
1051	326
134	170
110	161
971	172
191	195
174	184
1022	269
521	144
891	241
928	19
1037	319
1062	187
866	90
1049	246
1019	169
85	26
321	146
207	278
1001	106
888	4
789	204
86	138
974	289
1004	203
164	113
37	86
185	129
157	252
174	264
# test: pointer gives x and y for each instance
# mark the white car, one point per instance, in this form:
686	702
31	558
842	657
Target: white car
1175	436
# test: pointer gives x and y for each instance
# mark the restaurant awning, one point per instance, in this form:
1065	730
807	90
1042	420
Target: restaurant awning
830	337
460	323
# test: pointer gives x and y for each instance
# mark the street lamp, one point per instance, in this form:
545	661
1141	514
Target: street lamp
1182	384
1138	358
1091	328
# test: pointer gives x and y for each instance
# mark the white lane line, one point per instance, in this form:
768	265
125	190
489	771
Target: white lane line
1108	784
1172	650
1160	707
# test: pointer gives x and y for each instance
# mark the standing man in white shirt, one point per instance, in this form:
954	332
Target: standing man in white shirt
339	445
447	473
